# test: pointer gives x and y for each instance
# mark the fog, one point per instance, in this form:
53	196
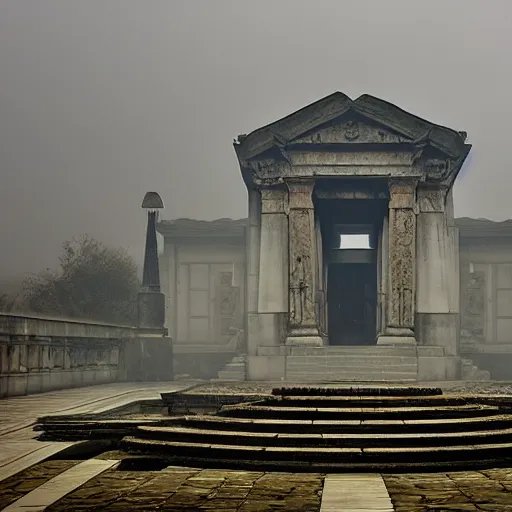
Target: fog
101	101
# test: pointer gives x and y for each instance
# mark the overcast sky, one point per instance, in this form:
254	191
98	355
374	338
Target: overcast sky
102	100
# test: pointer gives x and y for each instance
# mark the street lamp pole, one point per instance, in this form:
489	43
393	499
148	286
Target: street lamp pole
151	302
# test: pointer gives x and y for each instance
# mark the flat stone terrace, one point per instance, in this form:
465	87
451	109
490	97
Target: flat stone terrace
18	447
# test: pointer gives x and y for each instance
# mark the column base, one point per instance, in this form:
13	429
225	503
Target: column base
396	336
305	337
309	341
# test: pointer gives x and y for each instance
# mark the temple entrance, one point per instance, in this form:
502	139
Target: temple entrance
351	232
352	300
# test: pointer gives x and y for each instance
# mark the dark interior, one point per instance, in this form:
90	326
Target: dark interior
350	275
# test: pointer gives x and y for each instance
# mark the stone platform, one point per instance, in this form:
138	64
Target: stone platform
119	480
327	429
345	429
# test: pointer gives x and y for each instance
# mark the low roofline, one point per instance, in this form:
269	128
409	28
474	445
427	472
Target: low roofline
193	228
483	228
469	228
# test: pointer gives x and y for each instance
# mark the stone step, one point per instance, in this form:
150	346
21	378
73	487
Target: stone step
362	367
406	425
359	413
335	440
361	429
363	391
246	456
354	351
322	362
234	366
349	376
330	466
234	371
228	376
371	401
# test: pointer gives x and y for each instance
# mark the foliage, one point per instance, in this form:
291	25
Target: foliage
93	282
6	303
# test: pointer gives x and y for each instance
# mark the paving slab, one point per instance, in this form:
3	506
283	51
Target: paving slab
355	492
56	488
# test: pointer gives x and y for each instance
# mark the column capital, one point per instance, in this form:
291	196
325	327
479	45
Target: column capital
300	193
402	192
432	199
274	200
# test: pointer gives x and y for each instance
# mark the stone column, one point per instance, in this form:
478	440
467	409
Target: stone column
303	324
401	299
438	278
252	268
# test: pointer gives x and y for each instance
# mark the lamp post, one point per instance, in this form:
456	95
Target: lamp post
151	302
149	357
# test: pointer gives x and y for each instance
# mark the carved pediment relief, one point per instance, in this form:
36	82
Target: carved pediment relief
270	152
350	130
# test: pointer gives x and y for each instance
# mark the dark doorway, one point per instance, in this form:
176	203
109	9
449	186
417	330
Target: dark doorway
352	300
351	232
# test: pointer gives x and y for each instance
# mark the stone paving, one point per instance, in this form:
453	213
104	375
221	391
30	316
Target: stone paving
196	490
193	490
464	491
18	447
17	486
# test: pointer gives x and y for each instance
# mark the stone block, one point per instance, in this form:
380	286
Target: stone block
34	356
3	386
281	350
385	339
4	359
265	329
13	355
17	385
56	380
429	351
34	384
452	367
67	379
76	377
271	368
431	368
88	377
438	329
305	341
45	377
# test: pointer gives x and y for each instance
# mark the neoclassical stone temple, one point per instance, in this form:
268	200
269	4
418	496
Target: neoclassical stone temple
351	237
350	266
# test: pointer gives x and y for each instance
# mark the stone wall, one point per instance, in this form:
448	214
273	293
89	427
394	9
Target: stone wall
39	354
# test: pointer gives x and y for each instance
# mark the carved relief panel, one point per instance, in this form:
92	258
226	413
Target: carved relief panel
402	253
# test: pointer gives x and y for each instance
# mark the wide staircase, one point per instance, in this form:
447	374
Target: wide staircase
352	363
339	429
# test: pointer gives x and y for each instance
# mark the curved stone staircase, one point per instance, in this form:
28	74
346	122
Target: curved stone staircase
329	430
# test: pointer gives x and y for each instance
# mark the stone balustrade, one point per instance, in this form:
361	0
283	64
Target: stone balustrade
40	354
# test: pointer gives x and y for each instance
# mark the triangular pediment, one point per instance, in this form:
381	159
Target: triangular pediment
338	119
351	128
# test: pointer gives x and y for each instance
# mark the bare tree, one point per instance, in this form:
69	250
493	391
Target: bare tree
93	281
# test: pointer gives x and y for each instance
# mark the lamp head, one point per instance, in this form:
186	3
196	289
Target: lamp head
152	201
